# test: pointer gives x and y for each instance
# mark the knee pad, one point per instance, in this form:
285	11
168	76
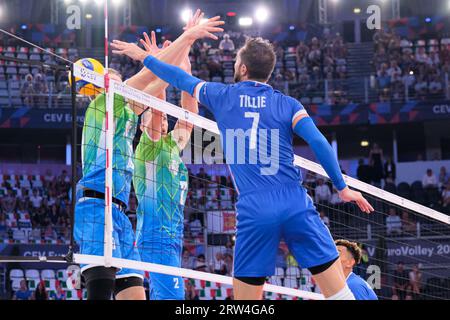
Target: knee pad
322	267
253	281
126	283
99	282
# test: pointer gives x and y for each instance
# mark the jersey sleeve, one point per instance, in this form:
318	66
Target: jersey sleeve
212	96
297	109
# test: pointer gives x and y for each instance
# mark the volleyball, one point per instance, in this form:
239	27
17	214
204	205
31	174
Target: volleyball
83	87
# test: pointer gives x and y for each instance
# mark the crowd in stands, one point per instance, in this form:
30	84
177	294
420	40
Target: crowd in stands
41	82
301	70
419	68
35	209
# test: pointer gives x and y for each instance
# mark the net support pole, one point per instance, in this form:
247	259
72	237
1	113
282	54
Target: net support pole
109	132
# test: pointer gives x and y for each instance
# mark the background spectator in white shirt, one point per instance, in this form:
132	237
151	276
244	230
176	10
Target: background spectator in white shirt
429	180
36	200
226	44
324	218
393	223
322	192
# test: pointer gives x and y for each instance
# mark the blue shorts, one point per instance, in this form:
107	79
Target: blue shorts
89	231
168	253
266	217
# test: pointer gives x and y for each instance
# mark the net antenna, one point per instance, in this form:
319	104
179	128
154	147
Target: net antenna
109	132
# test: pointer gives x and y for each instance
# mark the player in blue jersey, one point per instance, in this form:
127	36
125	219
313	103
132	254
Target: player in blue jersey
350	256
257	125
101	282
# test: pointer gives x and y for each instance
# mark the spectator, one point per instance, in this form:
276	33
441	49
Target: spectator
195	226
446	198
226	45
429	180
200	264
393	223
443	177
324	218
27	91
36	200
219	266
335	198
41	292
364	173
40	90
187	260
322	192
204	73
400	282
23	293
9	202
390	169
376	162
229	248
435	86
415	280
229	264
409	227
59	294
203	178
191	293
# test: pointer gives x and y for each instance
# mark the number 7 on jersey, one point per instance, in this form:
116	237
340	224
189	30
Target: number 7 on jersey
254	132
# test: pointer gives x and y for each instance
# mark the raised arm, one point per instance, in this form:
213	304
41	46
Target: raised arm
174	53
305	128
183	130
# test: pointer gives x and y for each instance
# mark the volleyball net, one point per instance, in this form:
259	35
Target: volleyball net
190	196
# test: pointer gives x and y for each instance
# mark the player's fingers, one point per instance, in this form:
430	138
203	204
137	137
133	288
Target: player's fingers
146	45
154	38
167	43
198	13
146	37
119	42
214	19
211	36
214	29
365	205
119	52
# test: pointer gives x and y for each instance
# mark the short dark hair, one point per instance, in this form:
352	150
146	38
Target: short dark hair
352	247
258	55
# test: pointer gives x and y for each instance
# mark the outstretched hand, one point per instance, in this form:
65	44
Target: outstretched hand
129	49
198	30
151	45
348	195
194	20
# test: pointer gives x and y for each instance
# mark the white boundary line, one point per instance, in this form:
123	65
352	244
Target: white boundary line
160	105
187	273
